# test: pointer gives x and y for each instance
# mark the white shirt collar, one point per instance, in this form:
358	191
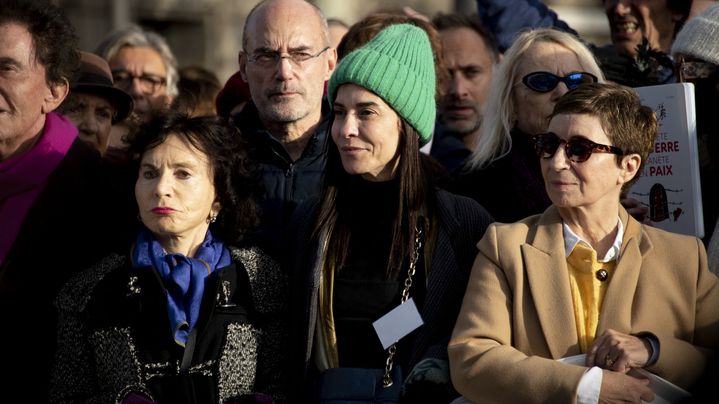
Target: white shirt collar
571	239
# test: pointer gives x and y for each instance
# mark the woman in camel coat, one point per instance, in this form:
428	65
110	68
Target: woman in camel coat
584	276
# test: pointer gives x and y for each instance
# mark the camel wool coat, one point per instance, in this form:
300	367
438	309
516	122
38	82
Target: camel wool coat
517	316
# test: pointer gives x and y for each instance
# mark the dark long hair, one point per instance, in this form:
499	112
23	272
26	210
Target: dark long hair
221	142
414	203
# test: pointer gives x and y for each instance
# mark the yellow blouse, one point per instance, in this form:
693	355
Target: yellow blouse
588	280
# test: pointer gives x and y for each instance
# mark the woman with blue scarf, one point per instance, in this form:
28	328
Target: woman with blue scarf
185	316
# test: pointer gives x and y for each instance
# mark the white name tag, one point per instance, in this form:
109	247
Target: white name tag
396	324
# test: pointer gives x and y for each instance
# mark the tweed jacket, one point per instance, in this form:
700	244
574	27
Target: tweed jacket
517	315
461	223
114	335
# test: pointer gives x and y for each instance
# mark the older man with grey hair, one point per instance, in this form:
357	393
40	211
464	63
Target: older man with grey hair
286	59
143	65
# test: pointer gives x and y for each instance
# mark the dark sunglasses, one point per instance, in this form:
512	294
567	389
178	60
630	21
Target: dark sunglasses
544	82
578	149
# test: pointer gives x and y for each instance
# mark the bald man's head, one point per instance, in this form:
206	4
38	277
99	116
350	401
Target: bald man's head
276	8
286	60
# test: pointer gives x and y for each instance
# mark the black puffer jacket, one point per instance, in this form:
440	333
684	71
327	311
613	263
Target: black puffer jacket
286	183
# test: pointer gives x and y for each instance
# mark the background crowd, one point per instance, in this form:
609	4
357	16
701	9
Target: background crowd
166	237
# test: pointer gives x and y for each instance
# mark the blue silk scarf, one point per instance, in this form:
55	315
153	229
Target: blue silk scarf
183	277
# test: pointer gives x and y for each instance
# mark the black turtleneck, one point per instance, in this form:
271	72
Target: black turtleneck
362	291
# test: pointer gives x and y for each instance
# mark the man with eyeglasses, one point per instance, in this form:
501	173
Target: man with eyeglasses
286	59
143	65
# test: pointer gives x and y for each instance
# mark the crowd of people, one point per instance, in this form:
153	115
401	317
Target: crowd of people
406	209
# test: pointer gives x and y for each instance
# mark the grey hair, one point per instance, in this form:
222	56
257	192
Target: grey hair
499	116
320	14
134	36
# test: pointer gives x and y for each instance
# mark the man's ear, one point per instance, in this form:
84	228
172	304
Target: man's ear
242	61
331	62
55	95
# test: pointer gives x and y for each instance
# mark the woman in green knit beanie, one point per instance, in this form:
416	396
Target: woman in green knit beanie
381	232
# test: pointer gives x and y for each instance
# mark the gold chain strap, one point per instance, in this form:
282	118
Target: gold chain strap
387	379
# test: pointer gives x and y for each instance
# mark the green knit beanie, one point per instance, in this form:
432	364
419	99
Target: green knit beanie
398	66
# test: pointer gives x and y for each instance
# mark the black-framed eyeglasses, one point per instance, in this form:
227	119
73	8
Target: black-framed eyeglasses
267	58
577	149
148	83
544	82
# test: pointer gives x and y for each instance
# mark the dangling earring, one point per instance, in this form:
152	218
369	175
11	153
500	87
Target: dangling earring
212	218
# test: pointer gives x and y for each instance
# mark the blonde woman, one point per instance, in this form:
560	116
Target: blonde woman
503	172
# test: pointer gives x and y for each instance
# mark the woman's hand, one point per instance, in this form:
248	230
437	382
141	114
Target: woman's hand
619	352
620	388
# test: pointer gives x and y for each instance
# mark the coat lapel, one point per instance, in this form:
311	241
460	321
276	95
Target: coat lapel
616	309
441	276
548	278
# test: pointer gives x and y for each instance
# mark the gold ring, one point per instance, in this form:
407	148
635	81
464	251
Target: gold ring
608	361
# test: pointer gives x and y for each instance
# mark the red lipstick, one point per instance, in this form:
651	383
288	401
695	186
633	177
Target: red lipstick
162	211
